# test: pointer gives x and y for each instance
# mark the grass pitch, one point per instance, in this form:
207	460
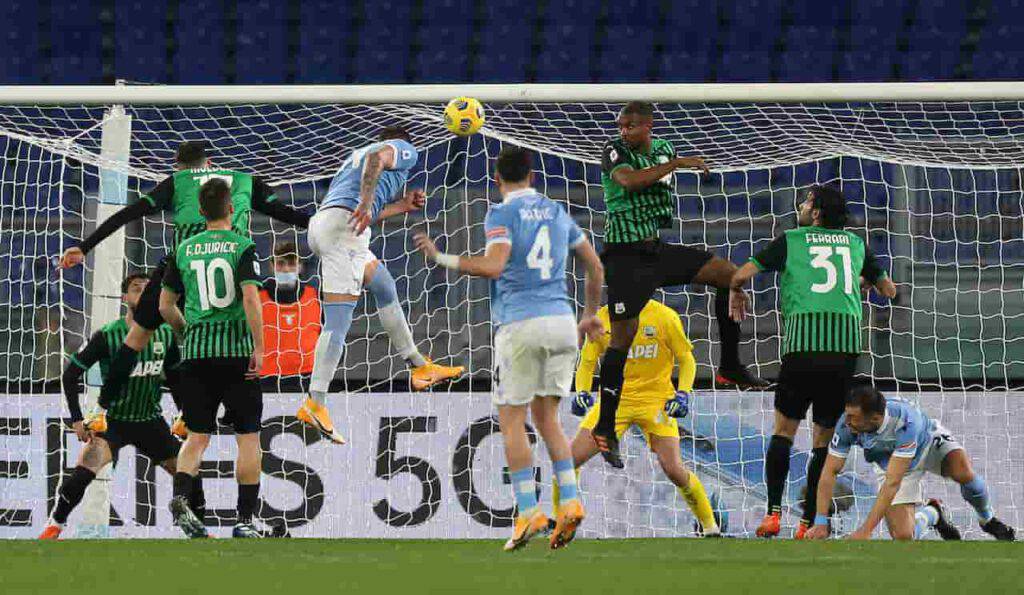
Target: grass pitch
701	567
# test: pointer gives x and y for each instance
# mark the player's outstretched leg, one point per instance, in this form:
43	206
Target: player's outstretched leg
425	373
570	510
958	467
519	458
94	456
933	514
612	377
338	311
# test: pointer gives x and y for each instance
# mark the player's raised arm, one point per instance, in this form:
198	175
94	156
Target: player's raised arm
412	200
150	203
375	162
264	200
172	287
490	265
76	368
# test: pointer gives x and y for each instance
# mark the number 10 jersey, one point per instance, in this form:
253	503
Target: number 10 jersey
820	287
210	269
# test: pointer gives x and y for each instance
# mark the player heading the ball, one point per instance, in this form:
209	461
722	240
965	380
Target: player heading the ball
529	237
904	444
369	187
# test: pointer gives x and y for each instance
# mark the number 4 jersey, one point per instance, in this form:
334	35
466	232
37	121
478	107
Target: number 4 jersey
210	269
820	287
540	233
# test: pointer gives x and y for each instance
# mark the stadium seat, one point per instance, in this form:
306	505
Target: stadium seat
200	44
999	55
627	54
261	55
21	43
443	50
809	54
636	13
140	48
745	66
325	45
76	42
505	51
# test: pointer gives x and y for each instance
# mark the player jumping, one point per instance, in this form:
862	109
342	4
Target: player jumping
648	400
177	194
821	266
222	354
637	177
904	444
528	241
367	188
134	417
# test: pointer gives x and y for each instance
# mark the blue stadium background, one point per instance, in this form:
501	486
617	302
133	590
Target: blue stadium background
320	41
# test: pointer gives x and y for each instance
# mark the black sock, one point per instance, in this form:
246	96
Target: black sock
728	331
117	374
183	485
197	499
814	468
776	468
248	498
613	366
71	491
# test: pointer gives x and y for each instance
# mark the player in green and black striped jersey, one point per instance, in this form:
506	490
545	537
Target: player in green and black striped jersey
178	194
637	174
134	417
222	354
821	266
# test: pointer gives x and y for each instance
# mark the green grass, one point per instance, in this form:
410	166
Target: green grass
684	566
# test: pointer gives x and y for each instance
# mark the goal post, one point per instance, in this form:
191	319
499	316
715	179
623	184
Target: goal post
932	172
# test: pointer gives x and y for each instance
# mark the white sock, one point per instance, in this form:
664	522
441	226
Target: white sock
392	318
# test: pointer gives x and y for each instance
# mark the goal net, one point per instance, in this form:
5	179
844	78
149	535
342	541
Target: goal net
934	187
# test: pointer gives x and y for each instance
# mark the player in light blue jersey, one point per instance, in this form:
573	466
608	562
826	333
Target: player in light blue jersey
369	186
904	444
529	238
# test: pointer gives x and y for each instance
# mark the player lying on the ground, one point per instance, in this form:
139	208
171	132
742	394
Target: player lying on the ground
820	266
905	444
648	400
529	237
637	174
222	353
367	188
134	417
177	194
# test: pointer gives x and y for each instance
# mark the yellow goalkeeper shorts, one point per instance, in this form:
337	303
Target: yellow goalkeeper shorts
651	419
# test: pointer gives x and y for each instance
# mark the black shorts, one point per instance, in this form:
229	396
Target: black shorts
634	271
147	311
152	438
206	383
822	379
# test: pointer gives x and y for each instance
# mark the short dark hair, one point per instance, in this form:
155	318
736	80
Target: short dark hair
286	251
867	398
514	164
394	132
214	198
832	205
131	278
191	154
638	108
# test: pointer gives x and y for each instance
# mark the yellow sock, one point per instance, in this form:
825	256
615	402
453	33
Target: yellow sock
556	495
697	499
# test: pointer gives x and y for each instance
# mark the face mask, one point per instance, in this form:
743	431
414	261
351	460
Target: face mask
286	280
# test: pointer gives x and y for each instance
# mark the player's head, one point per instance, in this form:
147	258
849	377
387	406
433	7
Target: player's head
513	169
132	288
824	206
636	119
191	155
394	132
215	200
865	409
286	264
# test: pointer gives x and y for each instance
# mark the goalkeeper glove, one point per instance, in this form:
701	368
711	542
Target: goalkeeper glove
679	405
581	403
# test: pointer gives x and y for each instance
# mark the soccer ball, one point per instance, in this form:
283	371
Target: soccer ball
463	116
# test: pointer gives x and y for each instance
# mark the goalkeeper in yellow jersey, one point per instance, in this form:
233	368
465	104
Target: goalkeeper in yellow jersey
648	400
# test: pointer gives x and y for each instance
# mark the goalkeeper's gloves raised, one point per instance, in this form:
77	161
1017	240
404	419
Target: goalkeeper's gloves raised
581	403
679	405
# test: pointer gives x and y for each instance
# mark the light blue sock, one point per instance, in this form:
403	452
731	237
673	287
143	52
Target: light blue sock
392	317
924	519
329	347
525	488
975	492
383	287
565	475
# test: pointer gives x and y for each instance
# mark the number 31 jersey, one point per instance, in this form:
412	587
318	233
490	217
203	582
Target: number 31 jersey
210	269
820	287
541	234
